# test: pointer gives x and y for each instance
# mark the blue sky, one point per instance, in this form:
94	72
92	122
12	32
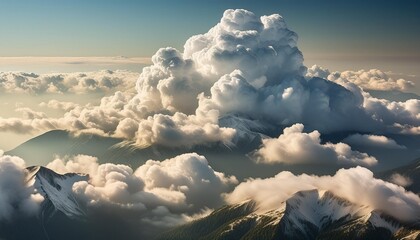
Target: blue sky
344	29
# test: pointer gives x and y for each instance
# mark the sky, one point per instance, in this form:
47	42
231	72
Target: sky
350	29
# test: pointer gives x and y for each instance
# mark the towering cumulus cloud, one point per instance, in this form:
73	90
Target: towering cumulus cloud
245	67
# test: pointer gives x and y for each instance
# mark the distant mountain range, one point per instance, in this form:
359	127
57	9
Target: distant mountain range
306	215
232	160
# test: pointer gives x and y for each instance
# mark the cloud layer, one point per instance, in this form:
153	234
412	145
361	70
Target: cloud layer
174	191
372	79
78	83
162	193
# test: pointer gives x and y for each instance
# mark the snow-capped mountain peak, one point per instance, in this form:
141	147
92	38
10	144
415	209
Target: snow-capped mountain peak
311	214
56	190
322	208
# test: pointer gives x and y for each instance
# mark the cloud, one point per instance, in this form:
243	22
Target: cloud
261	47
26	126
174	191
189	174
79	83
118	116
171	83
356	185
16	197
407	129
400	180
181	130
245	66
296	147
162	193
30	114
59	105
317	71
372	79
372	141
397	117
77	164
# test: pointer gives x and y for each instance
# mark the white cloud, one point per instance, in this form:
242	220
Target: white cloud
372	79
77	164
168	192
59	105
16	197
407	129
399	117
181	130
372	141
171	192
189	174
400	180
171	83
80	82
25	126
317	71
356	185
28	113
296	147
243	41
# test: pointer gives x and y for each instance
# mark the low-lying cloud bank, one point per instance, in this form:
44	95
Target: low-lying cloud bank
78	83
176	190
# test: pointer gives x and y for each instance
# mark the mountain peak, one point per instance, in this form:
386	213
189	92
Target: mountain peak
52	176
56	189
309	214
